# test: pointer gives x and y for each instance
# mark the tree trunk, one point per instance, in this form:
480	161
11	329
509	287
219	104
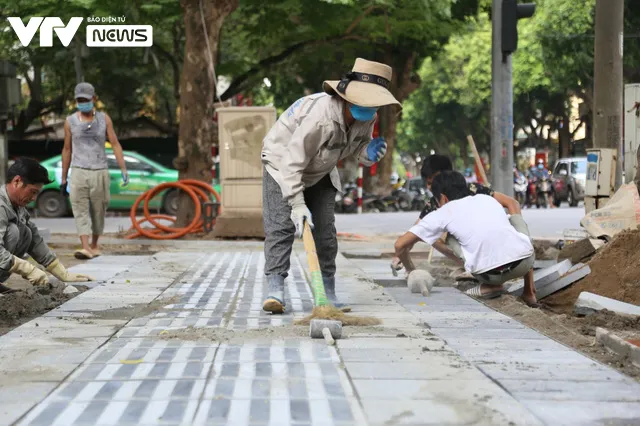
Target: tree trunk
197	93
402	85
564	138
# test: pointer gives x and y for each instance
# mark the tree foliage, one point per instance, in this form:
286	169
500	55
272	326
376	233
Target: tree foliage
553	64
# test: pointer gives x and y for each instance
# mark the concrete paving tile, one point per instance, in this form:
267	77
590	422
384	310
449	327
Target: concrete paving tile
577	372
385	412
464	344
411	370
557	390
68	332
16	398
14	410
473	324
390	343
567	357
491	333
396	355
30	355
34	372
411	389
585	413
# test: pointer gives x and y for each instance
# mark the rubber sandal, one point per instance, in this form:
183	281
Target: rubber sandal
83	255
477	293
96	253
273	305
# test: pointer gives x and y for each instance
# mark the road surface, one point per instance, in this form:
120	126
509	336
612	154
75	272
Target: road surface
543	223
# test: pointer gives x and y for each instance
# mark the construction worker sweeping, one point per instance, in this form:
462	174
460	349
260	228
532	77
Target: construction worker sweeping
19	235
300	154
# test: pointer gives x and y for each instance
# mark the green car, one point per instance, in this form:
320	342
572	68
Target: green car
144	174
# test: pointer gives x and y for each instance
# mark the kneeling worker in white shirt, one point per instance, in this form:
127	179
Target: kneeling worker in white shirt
492	246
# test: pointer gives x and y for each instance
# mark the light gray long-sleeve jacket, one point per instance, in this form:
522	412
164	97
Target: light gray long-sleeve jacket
20	217
308	141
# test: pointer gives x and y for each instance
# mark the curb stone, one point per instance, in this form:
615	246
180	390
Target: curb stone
618	345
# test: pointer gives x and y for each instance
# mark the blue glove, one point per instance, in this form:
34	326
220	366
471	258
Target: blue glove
125	180
376	149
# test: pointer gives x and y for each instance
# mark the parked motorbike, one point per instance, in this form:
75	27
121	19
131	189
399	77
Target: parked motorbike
405	199
387	203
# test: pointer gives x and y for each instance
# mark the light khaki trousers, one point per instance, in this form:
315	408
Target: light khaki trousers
89	199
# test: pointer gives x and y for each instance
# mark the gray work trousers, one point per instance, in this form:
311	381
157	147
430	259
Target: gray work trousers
279	229
17	243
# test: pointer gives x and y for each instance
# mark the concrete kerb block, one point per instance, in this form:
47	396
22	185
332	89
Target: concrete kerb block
576	273
589	303
618	345
542	277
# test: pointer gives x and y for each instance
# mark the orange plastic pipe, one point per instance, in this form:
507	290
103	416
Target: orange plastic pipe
196	189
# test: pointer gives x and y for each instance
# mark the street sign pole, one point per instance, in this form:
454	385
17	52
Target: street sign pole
501	109
608	85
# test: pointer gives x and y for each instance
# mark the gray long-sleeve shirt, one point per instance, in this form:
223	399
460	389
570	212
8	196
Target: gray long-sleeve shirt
309	140
20	217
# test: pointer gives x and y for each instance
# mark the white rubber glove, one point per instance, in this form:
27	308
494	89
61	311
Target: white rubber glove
60	272
299	213
29	271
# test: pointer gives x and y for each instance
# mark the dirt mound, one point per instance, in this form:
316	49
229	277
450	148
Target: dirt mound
615	273
32	302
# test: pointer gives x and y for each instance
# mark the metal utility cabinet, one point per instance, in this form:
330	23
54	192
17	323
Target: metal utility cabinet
241	131
631	130
601	177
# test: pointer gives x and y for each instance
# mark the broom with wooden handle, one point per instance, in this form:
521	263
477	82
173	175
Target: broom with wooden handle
317	285
323	309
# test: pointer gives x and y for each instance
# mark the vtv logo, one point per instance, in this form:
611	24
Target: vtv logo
47	26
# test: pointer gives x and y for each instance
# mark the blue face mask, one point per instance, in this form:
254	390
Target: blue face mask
362	113
540	166
85	106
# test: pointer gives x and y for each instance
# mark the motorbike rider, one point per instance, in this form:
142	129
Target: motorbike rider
540	172
300	154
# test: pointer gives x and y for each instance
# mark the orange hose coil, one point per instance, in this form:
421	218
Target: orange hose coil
198	191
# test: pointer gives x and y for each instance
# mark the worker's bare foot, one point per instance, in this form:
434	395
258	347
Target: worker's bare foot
531	301
96	251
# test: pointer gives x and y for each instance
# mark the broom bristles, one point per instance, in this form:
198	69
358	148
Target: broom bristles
329	312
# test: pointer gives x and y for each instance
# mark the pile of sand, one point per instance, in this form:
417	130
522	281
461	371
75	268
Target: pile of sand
615	273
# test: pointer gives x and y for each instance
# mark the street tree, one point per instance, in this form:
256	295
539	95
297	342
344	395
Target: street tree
202	23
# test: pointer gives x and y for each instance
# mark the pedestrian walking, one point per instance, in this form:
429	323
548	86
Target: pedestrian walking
85	134
300	154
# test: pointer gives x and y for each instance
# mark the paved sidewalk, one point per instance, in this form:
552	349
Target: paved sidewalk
445	359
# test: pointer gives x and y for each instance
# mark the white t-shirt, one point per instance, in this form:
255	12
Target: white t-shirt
482	228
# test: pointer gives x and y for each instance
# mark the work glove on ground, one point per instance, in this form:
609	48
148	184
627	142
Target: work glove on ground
29	272
60	272
376	149
300	213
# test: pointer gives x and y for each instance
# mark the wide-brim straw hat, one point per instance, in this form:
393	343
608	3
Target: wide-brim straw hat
366	85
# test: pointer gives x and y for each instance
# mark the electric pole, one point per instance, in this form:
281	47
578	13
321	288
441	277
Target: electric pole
504	41
607	84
